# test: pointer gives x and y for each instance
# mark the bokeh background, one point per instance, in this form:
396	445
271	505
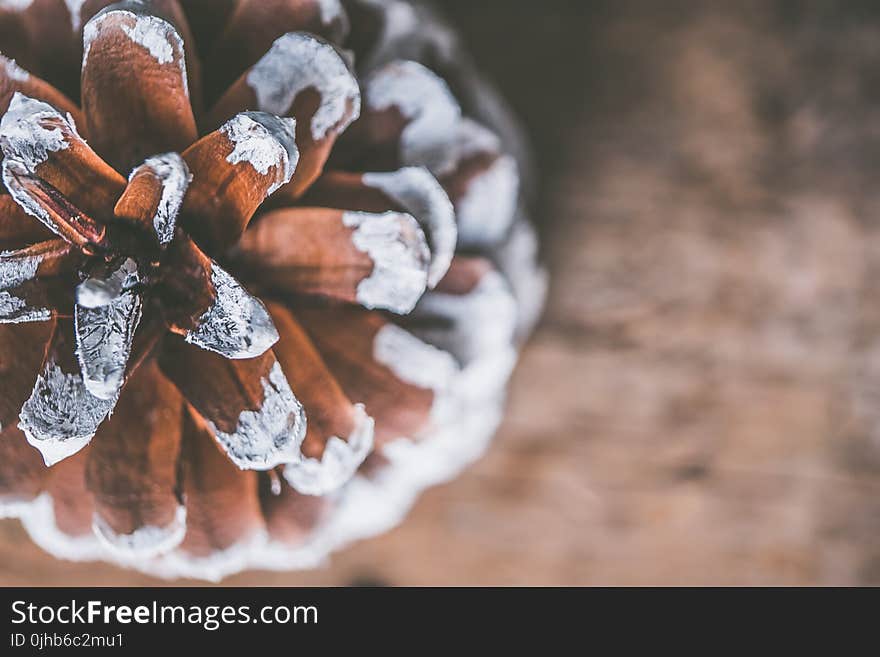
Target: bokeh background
701	404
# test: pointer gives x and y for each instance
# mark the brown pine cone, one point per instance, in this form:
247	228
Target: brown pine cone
299	308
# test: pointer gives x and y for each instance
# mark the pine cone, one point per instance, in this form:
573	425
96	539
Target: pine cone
262	343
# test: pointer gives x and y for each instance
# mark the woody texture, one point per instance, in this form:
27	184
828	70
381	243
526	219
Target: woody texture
265	267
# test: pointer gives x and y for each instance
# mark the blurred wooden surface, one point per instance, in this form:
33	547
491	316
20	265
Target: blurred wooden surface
701	404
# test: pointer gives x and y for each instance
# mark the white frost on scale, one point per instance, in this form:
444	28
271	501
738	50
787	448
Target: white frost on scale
153	34
13	169
61	416
399	21
23	135
104	336
330	10
237	325
156	35
212	567
264	141
338	463
438	138
270	436
299	61
98	292
15	270
472	325
16	5
413	361
518	260
370	506
42	526
15	310
13	70
488	206
14	506
400	18
400	255
26	142
143	542
74	8
419	193
426	101
175	177
417	363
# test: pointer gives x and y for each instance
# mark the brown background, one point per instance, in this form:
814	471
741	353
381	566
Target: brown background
702	401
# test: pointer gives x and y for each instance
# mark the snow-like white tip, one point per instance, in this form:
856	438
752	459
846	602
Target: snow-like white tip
400	255
12	69
270	436
418	192
61	416
338	464
212	567
426	102
419	364
24	136
143	542
16	269
42	526
155	35
237	326
94	293
104	333
264	141
14	506
298	61
175	177
53	449
488	206
106	387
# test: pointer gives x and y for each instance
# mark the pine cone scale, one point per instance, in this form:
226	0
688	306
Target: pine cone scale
132	469
131	117
248	404
234	169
